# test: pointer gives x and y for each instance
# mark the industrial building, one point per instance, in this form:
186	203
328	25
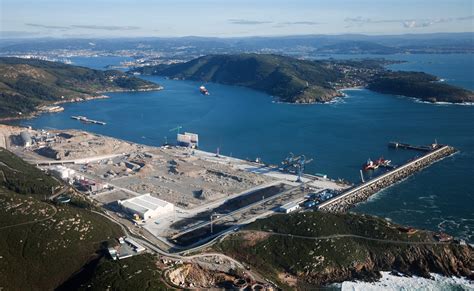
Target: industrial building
62	172
188	140
289	207
90	185
26	140
146	206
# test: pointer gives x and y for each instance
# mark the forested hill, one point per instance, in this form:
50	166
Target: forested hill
304	81
290	79
419	85
28	83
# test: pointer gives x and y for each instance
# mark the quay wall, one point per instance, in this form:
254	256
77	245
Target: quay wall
350	197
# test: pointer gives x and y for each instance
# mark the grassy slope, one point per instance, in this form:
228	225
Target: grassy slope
279	76
135	273
19	176
316	261
41	255
27	83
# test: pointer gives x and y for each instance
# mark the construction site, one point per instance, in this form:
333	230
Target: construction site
179	197
176	200
176	195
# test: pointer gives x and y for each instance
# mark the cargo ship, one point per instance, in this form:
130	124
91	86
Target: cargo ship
203	90
370	165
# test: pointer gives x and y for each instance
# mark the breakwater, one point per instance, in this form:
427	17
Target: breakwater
362	192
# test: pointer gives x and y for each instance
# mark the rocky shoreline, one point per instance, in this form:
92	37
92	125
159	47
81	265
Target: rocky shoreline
316	249
38	112
448	260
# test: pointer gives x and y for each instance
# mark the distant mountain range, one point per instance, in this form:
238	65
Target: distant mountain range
28	83
316	44
301	81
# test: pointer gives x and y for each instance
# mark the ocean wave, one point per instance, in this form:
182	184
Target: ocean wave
393	282
416	100
430	197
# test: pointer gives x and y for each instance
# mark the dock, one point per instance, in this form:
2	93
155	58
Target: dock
399	145
360	193
87	120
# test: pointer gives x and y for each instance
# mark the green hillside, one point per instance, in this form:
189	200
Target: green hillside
284	249
43	244
28	83
290	79
20	177
135	273
419	85
301	81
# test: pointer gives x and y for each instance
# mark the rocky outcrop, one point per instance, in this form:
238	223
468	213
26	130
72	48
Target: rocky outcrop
449	260
317	248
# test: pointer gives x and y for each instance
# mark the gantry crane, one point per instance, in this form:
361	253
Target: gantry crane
295	164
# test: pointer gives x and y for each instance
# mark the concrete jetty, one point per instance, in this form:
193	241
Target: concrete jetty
350	197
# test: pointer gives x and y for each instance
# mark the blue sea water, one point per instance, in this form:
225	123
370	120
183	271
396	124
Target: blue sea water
338	136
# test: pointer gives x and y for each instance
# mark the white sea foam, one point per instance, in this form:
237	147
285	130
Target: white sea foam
442	103
396	283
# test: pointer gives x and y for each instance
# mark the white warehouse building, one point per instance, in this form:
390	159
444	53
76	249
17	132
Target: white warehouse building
146	206
289	207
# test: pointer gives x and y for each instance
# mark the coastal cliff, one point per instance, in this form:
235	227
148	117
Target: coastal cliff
313	249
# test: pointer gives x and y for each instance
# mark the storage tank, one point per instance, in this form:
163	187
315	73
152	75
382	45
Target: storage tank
26	139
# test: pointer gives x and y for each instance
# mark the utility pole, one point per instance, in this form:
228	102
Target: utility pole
212	216
211	222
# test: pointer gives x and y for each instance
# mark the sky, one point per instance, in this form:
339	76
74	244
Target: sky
230	18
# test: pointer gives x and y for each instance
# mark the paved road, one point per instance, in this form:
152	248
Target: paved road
61	191
155	249
354	236
227	215
74	161
34	221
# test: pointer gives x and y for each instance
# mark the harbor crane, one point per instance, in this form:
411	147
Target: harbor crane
177	128
295	164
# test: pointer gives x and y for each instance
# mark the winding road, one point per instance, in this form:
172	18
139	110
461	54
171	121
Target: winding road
406	242
34	221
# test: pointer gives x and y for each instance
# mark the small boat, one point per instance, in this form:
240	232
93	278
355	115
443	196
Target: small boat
203	90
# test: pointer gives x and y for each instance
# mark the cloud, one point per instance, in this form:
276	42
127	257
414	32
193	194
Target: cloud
248	22
424	23
360	20
470	17
106	27
91	27
301	23
407	23
47	26
429	22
